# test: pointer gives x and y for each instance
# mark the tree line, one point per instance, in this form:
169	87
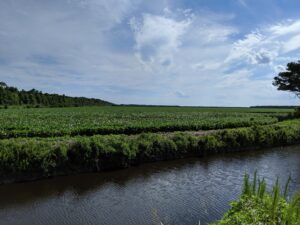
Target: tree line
13	96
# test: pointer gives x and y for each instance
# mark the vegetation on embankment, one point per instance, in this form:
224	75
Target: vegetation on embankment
32	158
257	206
88	121
34	98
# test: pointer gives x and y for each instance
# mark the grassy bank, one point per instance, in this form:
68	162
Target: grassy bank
257	206
32	158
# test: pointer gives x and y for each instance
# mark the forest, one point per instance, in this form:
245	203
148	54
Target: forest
34	98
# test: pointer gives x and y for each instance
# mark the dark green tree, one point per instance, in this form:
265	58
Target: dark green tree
12	96
289	80
2	84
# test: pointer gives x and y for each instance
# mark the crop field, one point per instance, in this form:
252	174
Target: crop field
50	122
42	142
61	155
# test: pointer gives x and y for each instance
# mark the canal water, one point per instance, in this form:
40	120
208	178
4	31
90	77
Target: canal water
181	192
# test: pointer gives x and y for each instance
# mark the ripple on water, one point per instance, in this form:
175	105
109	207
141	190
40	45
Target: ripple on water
178	192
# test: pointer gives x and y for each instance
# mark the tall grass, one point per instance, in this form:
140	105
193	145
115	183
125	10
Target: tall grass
23	157
258	206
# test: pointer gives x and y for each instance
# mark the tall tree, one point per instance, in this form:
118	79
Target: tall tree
289	80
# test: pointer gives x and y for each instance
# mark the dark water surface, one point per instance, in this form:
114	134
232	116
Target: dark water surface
177	193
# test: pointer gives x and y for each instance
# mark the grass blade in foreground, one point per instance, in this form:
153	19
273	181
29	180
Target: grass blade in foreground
256	206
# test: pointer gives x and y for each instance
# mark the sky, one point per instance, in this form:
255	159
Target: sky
161	52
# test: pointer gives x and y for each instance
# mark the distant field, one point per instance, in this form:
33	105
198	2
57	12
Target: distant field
47	122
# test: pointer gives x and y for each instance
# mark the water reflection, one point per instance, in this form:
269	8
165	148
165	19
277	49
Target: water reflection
177	192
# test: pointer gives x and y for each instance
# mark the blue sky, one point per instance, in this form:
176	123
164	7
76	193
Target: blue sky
178	52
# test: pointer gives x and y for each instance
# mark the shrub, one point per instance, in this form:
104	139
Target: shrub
297	113
185	143
210	144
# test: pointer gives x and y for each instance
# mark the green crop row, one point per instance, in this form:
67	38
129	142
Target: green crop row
131	129
89	121
51	156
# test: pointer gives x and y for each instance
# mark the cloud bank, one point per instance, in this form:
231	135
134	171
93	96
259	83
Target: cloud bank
141	53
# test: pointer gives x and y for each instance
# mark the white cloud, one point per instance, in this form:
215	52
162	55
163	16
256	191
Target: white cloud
158	38
265	45
132	51
284	29
292	44
255	48
75	34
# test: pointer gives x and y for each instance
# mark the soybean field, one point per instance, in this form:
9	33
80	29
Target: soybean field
73	121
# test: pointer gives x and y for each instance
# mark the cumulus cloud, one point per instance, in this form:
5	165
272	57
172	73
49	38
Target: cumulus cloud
255	48
157	38
265	45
